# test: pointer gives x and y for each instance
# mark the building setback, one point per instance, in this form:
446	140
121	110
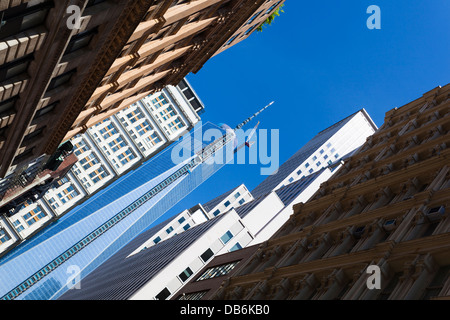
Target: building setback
105	152
61	73
388	207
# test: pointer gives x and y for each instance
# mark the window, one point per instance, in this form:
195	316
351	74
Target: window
156	240
67	194
181	220
336	155
93	2
80	147
291	179
143	128
227	203
321	151
23	17
175	125
232	39
88	161
217	271
7	106
117	144
237	246
299	172
226	237
98	174
253	17
4	236
249	30
169	230
216	212
61	79
328	144
241	201
185	274
306	165
108	131
311	170
314	158
34	216
163	295
318	163
167	113
126	156
237	195
80	40
135	115
153	139
15	67
159	101
272	7
206	255
186	226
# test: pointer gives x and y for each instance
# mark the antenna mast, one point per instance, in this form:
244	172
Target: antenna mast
240	125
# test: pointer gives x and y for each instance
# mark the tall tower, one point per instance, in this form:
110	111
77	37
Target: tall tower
94	231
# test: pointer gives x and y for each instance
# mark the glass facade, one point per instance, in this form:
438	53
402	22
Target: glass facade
92	232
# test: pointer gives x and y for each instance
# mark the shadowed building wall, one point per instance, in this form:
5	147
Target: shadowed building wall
55	82
387	206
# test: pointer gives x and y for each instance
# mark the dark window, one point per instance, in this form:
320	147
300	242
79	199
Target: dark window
7	106
33	134
15	67
20	18
185	274
182	85
45	109
23	156
80	40
163	294
94	2
60	80
188	93
207	255
157	239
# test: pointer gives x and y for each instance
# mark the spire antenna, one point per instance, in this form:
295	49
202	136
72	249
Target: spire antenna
243	123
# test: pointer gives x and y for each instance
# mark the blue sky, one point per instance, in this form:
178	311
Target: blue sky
320	63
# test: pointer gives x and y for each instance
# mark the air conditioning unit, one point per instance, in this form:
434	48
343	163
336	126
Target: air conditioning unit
435	213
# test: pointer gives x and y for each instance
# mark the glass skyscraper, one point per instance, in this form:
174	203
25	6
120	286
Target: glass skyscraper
73	246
